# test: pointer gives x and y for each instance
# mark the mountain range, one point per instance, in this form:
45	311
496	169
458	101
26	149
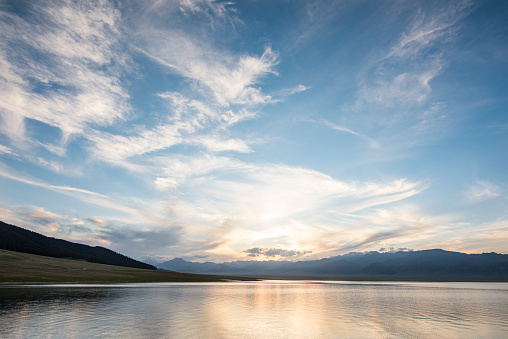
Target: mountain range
424	265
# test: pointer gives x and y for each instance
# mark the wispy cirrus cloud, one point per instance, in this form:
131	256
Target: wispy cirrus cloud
58	59
223	88
428	29
5	173
395	104
291	91
402	74
6	150
135	213
192	123
482	190
372	143
218	9
407	88
228	79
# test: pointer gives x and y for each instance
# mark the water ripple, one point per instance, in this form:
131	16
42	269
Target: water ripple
255	310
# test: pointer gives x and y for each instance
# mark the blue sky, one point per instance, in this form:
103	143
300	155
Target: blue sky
219	131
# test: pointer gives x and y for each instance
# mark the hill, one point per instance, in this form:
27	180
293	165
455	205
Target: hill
18	267
14	238
425	265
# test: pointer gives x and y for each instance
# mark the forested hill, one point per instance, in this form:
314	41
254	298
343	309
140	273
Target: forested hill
14	238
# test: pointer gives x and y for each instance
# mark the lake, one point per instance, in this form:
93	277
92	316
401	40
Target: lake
266	309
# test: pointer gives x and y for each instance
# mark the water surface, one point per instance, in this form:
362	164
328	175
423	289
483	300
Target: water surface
268	309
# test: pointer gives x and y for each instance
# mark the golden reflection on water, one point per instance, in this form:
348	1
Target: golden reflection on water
276	310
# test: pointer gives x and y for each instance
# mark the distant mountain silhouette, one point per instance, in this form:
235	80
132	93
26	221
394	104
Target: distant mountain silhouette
431	265
14	238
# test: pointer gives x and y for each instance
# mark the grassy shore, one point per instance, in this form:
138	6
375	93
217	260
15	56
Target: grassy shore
17	267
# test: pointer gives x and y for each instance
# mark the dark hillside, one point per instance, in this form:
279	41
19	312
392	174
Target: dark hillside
18	239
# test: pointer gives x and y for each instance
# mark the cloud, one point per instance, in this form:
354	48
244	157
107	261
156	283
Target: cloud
227	79
37	219
483	190
111	148
234	204
62	189
76	222
41	213
177	170
401	75
290	91
115	148
277	190
98	222
274	252
428	29
395	103
406	88
216	144
213	10
224	89
372	143
138	241
60	70
127	238
5	214
93	198
6	150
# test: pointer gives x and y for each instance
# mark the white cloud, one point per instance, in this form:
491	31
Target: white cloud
427	29
395	104
290	91
41	213
191	122
6	174
224	90
213	9
482	190
58	71
98	222
177	170
142	214
402	75
76	222
111	147
407	88
228	79
6	150
216	144
236	205
372	143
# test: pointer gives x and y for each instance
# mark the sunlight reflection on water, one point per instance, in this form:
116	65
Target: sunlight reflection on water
269	309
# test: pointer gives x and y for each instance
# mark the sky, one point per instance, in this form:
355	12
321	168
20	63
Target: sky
256	129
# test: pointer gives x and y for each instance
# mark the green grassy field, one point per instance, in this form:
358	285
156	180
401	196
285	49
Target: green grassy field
17	267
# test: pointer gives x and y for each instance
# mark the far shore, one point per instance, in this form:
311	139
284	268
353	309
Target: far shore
20	269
